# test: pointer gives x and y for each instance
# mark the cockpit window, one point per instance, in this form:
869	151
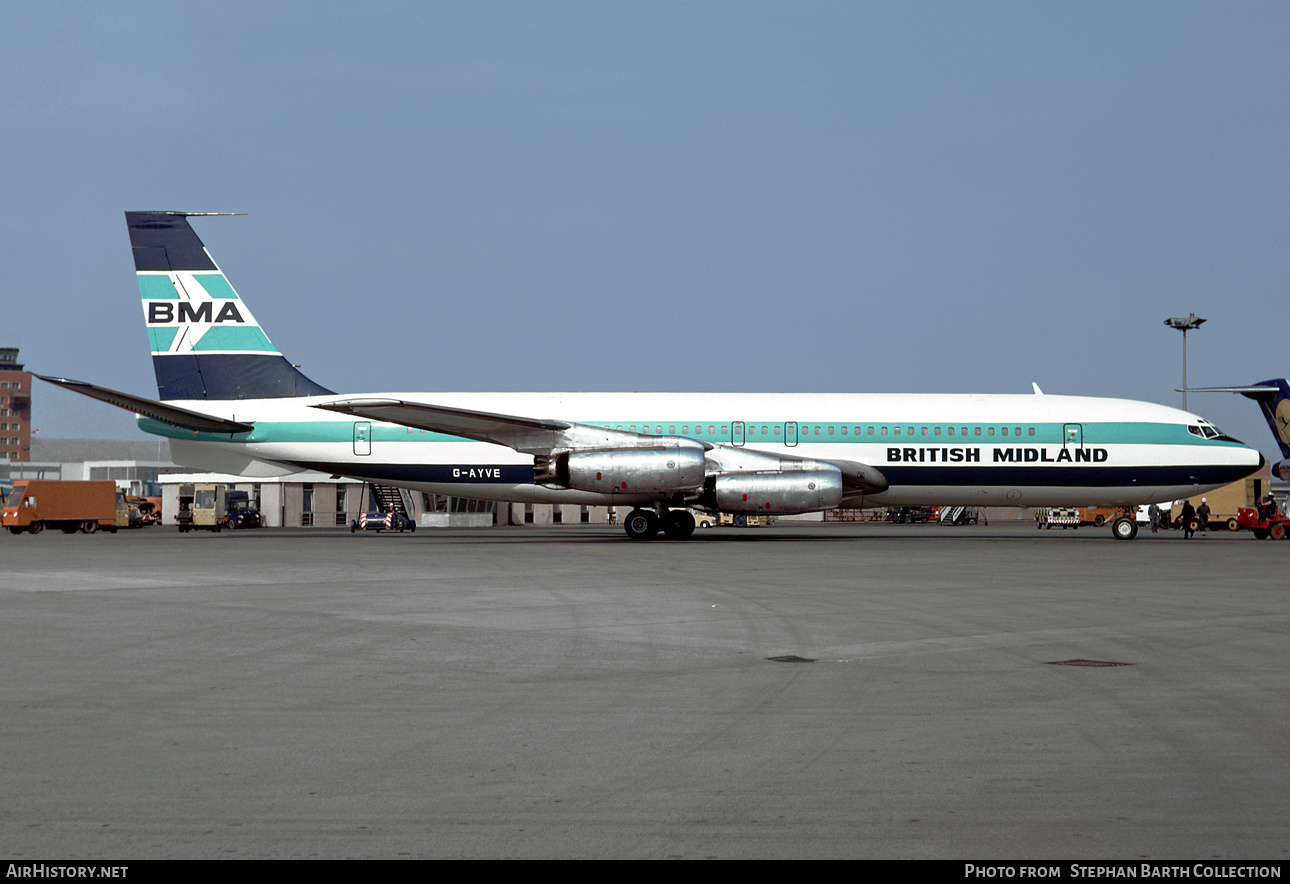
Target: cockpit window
1204	431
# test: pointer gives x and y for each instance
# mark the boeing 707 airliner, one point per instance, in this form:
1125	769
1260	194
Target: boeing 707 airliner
230	402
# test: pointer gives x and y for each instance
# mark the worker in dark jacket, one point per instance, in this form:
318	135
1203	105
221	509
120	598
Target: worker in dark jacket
1202	514
1188	517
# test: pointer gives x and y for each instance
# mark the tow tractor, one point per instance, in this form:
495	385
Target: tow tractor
1264	523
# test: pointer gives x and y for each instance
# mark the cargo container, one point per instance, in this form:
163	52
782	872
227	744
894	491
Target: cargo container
37	504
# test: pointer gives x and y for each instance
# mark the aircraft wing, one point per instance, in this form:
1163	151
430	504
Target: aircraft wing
545	437
179	417
526	434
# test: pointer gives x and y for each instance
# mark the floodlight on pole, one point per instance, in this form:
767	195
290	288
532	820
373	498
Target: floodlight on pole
1183	323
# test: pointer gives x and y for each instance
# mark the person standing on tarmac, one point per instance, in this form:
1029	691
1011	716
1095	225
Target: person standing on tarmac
1188	513
1202	514
1153	513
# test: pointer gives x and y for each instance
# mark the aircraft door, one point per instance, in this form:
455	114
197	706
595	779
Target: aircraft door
1073	436
362	438
790	433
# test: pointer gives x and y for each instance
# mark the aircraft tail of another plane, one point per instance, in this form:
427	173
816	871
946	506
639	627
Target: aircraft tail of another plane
1274	399
205	343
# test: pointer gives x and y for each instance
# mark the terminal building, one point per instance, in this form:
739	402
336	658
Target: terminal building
15	408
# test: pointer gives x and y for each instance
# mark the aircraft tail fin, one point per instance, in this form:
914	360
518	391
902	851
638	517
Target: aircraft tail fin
205	343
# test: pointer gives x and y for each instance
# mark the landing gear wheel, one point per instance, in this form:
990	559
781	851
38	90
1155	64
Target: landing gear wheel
641	524
1277	531
1124	528
678	525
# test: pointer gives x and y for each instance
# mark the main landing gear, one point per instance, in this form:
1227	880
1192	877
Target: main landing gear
644	524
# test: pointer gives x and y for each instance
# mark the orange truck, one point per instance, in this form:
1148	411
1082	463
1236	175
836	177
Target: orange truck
37	504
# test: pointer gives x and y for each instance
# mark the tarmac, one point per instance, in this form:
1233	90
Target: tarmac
564	692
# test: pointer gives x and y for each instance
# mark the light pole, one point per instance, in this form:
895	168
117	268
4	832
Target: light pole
1183	323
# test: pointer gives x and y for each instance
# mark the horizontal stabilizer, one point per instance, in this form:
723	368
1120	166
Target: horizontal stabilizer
1256	392
179	417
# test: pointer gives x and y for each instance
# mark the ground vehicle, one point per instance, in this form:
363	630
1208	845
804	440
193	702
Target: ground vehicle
740	520
149	509
1264	523
1226	503
382	522
910	514
1100	515
71	506
239	512
702	519
201	507
1063	516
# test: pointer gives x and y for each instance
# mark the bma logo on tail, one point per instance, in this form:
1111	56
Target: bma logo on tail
198	312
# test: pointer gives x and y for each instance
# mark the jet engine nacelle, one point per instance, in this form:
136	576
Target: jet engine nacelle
667	470
1282	470
804	491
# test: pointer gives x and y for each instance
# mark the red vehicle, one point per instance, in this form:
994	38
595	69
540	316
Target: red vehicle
1264	522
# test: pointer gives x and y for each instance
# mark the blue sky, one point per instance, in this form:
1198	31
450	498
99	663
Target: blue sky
835	197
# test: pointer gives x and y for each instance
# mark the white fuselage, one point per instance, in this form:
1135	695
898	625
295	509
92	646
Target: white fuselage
1026	450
